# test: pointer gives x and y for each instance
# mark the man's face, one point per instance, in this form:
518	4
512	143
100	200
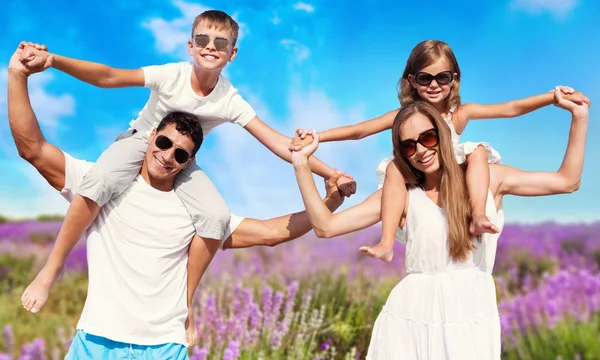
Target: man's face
168	153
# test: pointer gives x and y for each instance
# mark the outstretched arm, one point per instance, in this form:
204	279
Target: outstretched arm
362	129
279	145
93	73
31	143
511	109
272	232
323	221
567	179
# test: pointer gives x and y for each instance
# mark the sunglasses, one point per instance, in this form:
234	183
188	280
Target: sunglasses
164	143
202	40
443	78
428	138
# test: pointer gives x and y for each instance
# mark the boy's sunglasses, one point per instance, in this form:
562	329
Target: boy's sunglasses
443	78
428	138
164	143
202	40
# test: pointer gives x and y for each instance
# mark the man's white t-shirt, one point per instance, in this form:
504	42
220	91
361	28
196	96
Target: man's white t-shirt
137	263
171	90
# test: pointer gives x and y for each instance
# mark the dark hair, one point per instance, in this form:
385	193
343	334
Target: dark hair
220	20
186	124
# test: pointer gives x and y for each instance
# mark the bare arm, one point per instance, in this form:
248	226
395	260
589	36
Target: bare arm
31	144
323	221
279	145
567	179
98	74
393	202
201	252
362	129
272	232
510	109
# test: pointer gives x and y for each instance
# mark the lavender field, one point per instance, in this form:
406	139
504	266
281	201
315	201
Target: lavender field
317	298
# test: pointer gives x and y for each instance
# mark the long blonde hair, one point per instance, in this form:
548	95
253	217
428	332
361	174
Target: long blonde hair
424	54
452	184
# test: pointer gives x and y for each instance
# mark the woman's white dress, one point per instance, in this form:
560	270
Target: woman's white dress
442	309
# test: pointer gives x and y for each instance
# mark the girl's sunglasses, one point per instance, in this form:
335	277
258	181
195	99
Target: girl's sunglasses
202	40
428	138
443	78
164	143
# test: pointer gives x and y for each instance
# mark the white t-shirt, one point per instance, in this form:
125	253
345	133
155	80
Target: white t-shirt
137	263
171	90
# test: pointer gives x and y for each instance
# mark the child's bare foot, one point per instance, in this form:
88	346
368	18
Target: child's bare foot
36	294
347	186
481	224
379	251
191	332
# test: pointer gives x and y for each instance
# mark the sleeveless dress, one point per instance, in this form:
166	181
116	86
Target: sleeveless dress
461	150
442	310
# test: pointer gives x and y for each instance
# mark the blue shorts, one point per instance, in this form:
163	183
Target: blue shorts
92	347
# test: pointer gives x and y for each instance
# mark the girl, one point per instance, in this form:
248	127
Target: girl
432	75
445	308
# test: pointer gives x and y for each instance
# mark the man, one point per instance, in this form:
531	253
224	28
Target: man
138	299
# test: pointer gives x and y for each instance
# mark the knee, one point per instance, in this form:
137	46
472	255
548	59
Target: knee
479	154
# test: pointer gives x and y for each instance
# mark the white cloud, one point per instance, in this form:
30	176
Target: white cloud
301	51
275	19
559	8
172	35
301	6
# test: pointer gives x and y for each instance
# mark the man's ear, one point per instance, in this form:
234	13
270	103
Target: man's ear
190	160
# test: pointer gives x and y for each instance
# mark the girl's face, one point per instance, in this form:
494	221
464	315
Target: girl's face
434	82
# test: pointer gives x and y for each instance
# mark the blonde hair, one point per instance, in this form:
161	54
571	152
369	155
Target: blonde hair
452	184
424	54
219	20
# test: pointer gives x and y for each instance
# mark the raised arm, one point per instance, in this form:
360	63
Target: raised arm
272	232
31	144
567	179
511	109
360	130
90	72
323	221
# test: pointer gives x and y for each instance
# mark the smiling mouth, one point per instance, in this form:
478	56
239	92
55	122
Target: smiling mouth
427	160
210	57
160	164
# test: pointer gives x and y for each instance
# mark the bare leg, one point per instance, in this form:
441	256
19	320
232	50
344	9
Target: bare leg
478	183
393	202
80	216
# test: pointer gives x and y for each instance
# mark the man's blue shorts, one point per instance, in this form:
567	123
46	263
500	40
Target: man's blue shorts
91	347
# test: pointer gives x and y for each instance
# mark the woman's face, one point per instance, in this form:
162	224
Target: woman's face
420	143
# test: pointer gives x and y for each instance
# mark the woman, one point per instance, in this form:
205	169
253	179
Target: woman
446	307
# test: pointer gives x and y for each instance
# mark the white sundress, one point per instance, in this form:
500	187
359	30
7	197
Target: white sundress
442	310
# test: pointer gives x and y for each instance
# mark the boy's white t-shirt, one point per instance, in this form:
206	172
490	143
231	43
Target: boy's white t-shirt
137	263
171	90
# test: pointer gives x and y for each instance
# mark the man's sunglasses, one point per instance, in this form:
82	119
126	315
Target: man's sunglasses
164	143
428	138
202	40
443	78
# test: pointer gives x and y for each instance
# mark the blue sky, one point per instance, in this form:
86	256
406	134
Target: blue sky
312	64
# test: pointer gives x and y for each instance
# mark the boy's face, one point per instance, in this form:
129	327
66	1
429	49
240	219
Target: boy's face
211	48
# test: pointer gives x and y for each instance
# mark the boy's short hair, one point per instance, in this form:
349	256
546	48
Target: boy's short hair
186	124
219	20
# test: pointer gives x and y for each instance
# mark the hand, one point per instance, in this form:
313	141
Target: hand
305	149
333	198
300	140
579	107
29	59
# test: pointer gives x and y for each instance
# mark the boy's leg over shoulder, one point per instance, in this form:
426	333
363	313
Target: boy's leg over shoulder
115	169
203	202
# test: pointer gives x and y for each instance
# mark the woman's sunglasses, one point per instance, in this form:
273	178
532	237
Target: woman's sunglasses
202	40
443	78
164	143
428	138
